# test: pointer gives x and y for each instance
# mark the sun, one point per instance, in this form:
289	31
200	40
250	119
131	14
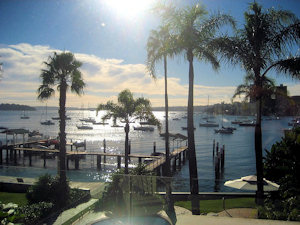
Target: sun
129	9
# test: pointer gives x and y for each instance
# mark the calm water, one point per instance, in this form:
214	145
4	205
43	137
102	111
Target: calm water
239	147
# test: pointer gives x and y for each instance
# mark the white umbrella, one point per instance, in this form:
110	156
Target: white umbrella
250	183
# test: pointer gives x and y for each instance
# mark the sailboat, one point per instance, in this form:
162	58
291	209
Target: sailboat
208	123
224	130
47	122
24	116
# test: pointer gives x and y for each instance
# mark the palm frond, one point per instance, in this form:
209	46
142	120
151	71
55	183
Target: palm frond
290	67
45	92
77	84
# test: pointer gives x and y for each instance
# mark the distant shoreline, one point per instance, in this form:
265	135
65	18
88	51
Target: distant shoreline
16	107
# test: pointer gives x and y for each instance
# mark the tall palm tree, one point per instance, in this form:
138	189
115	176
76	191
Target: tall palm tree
192	32
62	70
128	109
158	49
263	44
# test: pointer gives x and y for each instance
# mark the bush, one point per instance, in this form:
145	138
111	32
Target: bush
282	165
48	189
35	212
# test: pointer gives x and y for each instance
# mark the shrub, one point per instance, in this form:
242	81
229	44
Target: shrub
35	212
282	165
48	189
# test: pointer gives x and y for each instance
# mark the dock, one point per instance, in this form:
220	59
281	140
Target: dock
156	164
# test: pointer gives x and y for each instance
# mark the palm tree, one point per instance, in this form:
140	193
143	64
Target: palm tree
248	88
128	109
192	33
158	48
62	70
263	44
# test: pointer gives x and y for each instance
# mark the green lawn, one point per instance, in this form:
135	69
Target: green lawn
17	198
207	206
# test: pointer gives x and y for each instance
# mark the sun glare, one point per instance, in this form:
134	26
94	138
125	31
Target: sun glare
130	9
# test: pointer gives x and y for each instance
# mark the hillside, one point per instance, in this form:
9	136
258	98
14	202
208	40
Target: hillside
16	107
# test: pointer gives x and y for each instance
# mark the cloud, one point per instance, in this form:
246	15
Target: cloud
105	78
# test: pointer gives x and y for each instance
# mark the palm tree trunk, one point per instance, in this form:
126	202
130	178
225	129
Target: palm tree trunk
62	143
167	146
126	147
258	154
169	199
191	139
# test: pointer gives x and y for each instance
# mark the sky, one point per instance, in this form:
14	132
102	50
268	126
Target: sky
109	37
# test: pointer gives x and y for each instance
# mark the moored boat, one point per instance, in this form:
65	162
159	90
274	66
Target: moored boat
84	127
144	128
224	130
47	122
208	124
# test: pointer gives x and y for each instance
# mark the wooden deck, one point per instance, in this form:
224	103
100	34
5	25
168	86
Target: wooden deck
87	153
159	162
155	165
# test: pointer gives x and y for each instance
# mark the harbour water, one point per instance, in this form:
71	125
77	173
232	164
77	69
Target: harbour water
239	146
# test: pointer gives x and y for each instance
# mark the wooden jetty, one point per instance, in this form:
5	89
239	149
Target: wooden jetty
178	156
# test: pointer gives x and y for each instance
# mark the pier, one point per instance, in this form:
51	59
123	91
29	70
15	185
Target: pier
156	164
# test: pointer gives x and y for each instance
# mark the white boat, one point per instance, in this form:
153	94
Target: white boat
224	130
88	120
24	116
185	128
144	128
84	127
47	122
208	124
57	118
100	123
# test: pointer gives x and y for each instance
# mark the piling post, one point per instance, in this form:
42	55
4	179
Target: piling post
183	156
84	144
0	155
15	156
68	162
158	173
11	154
7	155
76	162
119	162
99	162
44	159
129	149
140	160
179	160
104	150
154	147
174	164
223	157
30	159
71	145
214	146
216	167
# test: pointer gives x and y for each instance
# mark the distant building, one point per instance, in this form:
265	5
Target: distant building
296	105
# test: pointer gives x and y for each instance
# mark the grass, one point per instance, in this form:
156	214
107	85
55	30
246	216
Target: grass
207	206
17	198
